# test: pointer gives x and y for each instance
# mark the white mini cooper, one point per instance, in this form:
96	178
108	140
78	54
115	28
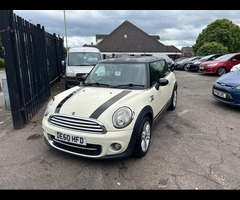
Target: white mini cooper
110	114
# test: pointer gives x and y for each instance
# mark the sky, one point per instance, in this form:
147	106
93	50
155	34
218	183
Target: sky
175	27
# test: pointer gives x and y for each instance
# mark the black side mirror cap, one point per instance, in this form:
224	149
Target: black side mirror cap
161	82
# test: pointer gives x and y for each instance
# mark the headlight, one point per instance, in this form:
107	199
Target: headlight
69	72
237	88
195	63
122	117
49	107
212	65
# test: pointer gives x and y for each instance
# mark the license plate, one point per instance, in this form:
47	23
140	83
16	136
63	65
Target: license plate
201	67
219	93
70	138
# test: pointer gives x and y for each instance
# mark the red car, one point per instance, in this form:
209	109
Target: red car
221	65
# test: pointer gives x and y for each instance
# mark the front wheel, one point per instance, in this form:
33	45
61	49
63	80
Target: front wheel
143	138
221	71
173	100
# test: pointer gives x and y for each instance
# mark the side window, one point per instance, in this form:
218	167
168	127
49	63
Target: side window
237	57
213	58
158	70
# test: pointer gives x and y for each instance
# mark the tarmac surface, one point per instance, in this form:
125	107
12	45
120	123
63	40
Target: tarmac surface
196	146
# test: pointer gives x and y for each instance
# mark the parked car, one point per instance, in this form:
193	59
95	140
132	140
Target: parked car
111	113
193	66
166	57
80	61
178	63
235	68
227	88
190	61
220	65
181	65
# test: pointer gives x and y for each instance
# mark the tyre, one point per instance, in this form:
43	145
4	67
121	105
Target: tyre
174	100
143	138
186	68
221	71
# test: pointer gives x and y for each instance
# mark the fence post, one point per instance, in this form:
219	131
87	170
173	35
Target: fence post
11	65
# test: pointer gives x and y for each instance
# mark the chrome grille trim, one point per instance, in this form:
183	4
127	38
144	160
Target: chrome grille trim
77	123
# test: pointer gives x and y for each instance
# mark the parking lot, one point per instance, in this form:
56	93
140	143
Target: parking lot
196	146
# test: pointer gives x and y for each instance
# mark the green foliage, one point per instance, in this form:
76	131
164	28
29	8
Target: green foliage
2	64
211	48
221	31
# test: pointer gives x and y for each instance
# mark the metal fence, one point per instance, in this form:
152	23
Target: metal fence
32	62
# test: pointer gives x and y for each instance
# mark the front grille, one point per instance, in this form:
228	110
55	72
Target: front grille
89	149
77	123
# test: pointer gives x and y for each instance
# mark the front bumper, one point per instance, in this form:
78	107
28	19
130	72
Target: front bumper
193	67
207	70
98	144
232	96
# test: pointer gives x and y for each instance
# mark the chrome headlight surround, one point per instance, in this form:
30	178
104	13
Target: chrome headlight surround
122	117
49	107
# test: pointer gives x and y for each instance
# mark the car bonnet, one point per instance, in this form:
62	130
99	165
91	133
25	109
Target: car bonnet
231	79
90	102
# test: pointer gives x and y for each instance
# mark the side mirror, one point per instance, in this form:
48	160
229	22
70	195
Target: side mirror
172	68
234	60
161	82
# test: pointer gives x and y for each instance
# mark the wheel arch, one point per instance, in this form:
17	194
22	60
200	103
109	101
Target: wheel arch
146	111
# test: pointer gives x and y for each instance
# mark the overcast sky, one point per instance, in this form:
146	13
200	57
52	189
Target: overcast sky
175	27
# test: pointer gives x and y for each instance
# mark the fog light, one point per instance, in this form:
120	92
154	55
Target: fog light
116	146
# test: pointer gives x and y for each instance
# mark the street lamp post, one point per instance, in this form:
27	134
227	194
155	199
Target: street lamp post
65	28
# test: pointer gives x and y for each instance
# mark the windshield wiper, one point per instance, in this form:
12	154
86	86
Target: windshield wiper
90	84
130	85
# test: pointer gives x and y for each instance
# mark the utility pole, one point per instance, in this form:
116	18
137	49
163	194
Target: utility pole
65	28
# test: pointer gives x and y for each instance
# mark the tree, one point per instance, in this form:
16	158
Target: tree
221	31
211	48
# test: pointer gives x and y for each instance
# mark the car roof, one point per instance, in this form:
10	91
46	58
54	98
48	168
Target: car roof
84	49
134	59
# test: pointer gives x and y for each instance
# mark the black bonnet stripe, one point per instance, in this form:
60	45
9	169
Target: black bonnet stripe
66	98
108	103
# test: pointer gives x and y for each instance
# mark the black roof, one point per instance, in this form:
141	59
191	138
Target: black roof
140	59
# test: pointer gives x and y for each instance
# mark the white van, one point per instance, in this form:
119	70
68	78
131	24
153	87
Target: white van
79	62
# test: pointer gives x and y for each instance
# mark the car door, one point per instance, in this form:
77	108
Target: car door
160	97
233	61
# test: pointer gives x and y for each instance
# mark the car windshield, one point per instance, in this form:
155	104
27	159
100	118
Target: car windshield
83	58
206	57
224	57
118	75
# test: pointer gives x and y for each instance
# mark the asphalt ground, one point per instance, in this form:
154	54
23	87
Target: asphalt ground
196	146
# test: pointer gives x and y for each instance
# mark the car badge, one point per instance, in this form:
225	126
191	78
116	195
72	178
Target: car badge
222	84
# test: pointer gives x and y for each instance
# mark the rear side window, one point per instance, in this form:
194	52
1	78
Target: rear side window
158	70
